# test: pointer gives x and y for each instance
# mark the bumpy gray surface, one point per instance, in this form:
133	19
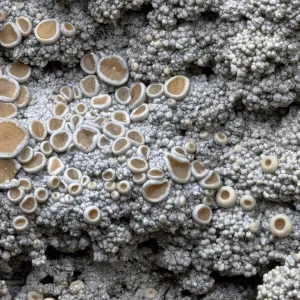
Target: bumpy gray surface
242	58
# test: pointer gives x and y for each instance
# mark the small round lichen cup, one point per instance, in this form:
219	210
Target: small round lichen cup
47	32
226	197
280	225
202	214
269	164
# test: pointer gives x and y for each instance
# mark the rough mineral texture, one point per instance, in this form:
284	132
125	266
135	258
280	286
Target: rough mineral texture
81	219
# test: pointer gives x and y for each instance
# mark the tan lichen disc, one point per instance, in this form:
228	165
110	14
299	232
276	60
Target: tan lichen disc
24	25
8	169
113	70
8	110
137	165
85	138
155	90
101	102
121	145
140	114
89	63
60	110
113	130
67	93
269	164
121	117
55	166
226	197
89	86
155	173
211	182
9	89
68	29
36	164
47	32
138	94
54	124
37	130
199	171
25	155
2	16
202	214
122	95
155	191
281	225
143	152
13	138
10	36
178	167
24	97
136	137
20	223
60	140
28	205
177	87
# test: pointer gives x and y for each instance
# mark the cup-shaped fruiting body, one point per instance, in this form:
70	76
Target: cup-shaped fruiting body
54	124
32	295
150	294
25	155
226	197
60	110
46	148
281	225
113	70
211	182
178	167
56	196
72	175
47	32
202	214
36	164
85	180
92	215
113	130
81	109
177	87
155	90
18	71
28	205
137	165
77	92
136	137
9	89
124	187
15	195
53	182
60	140
55	166
199	171
25	184
143	152
110	186
10	35
120	146
138	95
67	29
63	187
8	110
75	189
20	223
23	98
247	202
24	25
76	286
89	86
77	120
85	138
92	186
8	169
121	117
179	151
103	142
101	102
122	95
88	63
2	16
220	138
190	147
67	93
37	130
68	199
41	195
269	164
155	191
139	178
13	138
59	99
155	173
140	114
109	175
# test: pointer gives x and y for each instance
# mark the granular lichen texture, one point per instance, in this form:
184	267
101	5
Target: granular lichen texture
149	150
